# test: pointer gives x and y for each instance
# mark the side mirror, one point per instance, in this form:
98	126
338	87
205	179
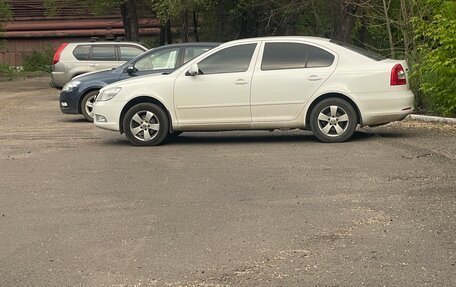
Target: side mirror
193	70
131	69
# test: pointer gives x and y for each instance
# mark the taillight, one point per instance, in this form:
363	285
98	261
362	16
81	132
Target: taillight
58	52
398	76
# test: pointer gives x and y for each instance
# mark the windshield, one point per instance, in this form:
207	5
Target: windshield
359	50
126	64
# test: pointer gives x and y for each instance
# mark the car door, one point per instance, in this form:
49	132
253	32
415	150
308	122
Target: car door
288	74
220	93
159	61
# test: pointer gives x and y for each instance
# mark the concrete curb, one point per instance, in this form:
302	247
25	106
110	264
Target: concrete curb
432	119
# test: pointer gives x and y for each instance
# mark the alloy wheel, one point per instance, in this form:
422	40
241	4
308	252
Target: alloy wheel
333	121
144	125
89	105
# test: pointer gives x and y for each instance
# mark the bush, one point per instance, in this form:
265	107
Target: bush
38	61
436	70
5	71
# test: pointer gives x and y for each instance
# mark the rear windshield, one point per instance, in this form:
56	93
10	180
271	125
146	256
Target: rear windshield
359	50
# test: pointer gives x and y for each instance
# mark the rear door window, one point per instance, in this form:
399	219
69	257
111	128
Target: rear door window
319	58
104	53
82	52
279	56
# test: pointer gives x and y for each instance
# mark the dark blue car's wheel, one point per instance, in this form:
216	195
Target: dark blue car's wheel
87	105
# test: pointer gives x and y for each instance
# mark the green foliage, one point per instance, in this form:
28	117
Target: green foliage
102	7
38	62
436	70
52	8
5	11
5	15
5	71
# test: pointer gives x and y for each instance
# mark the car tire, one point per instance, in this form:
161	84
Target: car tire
146	124
87	105
333	120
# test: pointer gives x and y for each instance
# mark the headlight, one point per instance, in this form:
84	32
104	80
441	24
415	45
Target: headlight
108	94
70	86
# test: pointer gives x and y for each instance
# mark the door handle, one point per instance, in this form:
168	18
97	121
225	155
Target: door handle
241	82
93	64
314	78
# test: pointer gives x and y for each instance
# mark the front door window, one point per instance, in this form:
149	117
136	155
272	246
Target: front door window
230	60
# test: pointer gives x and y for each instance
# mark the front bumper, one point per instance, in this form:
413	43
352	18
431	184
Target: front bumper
107	115
69	102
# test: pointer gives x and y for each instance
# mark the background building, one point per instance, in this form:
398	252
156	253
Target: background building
35	28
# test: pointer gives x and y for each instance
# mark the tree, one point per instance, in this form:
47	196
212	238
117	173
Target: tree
128	10
5	15
436	69
5	11
345	20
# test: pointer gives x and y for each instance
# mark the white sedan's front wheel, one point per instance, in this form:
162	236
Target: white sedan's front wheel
146	124
333	120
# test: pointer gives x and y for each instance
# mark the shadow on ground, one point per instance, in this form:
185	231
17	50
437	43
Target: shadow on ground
191	138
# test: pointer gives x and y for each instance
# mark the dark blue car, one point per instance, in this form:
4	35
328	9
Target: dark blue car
78	95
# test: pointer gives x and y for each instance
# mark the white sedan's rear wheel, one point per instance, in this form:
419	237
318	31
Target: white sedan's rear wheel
146	124
333	120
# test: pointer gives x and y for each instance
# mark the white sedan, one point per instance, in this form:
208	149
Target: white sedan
262	84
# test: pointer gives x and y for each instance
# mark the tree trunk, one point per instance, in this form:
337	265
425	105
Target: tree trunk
344	24
185	25
124	12
388	27
195	26
133	21
405	29
243	26
249	26
220	15
169	32
162	35
363	32
290	25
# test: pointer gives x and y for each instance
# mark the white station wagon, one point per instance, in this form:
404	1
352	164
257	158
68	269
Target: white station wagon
262	84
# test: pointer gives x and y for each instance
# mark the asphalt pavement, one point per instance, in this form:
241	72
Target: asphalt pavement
80	206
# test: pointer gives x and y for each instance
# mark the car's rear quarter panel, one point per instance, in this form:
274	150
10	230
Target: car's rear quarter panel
367	83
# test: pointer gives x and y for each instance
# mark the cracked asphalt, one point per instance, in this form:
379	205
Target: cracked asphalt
80	206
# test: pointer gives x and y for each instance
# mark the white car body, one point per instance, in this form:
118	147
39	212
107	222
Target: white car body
264	99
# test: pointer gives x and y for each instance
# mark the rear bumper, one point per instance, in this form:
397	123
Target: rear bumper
385	107
59	79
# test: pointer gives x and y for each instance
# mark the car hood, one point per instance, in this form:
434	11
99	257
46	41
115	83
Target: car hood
152	78
100	75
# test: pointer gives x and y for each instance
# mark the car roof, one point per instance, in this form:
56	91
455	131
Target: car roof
179	45
189	44
105	43
282	38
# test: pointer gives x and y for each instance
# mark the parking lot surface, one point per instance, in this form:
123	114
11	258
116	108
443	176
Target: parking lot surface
80	206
